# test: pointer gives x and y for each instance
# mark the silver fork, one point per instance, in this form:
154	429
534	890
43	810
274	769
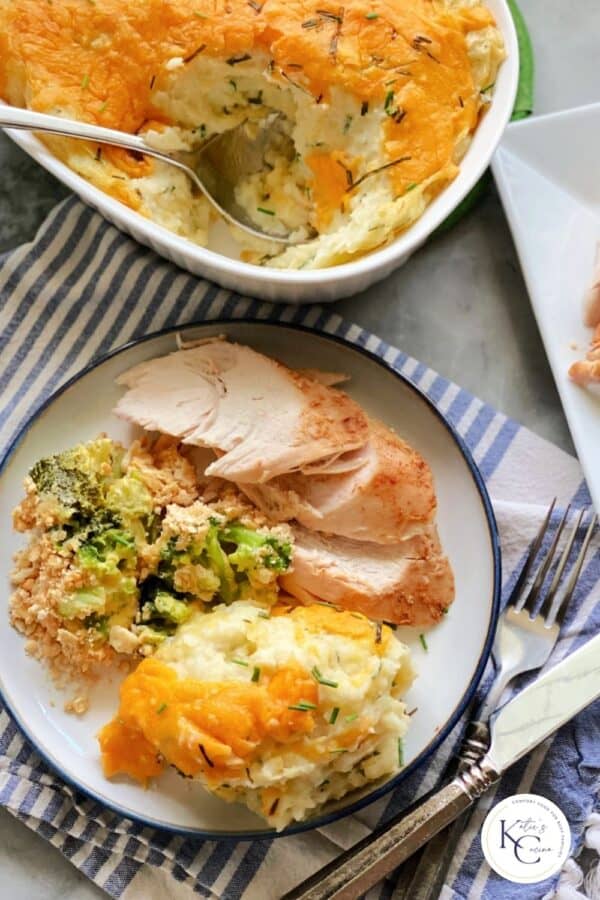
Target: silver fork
523	642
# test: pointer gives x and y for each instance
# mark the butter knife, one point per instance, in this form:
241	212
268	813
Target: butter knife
519	726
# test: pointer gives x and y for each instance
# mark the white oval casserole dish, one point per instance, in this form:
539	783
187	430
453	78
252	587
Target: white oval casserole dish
317	285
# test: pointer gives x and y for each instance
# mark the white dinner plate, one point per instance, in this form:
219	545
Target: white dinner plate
548	175
458	647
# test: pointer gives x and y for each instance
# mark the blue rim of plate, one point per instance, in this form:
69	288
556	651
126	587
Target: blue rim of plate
429	750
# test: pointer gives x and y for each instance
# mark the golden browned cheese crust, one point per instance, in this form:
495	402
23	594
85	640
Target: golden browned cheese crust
101	62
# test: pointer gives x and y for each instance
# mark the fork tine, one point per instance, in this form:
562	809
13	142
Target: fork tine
573	577
533	551
546	610
532	595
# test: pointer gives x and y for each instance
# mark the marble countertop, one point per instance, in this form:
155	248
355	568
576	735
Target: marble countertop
459	304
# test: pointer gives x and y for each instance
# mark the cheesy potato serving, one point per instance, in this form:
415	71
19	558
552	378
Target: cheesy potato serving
282	709
379	97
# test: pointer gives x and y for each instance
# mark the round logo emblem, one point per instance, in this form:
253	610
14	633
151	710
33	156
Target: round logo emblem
526	838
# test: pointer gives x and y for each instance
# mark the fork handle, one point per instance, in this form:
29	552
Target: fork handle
428	876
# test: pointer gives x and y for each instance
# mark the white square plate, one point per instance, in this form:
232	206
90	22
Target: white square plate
548	174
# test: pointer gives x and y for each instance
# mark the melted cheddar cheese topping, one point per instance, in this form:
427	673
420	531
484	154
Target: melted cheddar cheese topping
213	727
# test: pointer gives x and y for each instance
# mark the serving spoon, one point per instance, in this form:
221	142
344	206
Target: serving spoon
214	168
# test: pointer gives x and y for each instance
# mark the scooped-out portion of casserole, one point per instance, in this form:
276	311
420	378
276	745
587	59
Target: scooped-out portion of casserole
380	99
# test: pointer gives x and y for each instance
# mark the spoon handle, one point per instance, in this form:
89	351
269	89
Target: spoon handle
25	119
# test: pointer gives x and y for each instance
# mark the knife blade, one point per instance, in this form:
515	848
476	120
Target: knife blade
544	705
524	722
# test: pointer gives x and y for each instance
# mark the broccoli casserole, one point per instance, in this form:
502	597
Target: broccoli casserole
122	551
379	98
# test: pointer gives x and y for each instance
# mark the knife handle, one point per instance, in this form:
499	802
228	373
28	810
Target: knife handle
354	872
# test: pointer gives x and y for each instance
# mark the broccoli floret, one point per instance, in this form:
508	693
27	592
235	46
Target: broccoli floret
106	548
170	608
130	497
229	561
76	478
254	549
219	562
76	491
161	607
83	603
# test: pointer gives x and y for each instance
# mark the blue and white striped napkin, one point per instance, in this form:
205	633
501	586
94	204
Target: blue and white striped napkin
79	290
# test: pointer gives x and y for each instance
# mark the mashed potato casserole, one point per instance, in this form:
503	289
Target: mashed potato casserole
282	709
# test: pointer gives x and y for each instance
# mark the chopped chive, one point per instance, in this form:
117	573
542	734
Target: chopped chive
200	15
347	123
255	674
488	87
411	712
316	674
233	84
85	81
339	750
310	23
302	706
234	60
372	15
423	642
263	615
334	17
103	107
206	756
411	187
445	611
267	212
240	662
389	98
352	717
334	714
400	752
161	709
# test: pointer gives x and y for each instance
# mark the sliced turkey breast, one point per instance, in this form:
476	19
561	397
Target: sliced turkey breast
586	372
410	583
264	419
591	303
387	496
